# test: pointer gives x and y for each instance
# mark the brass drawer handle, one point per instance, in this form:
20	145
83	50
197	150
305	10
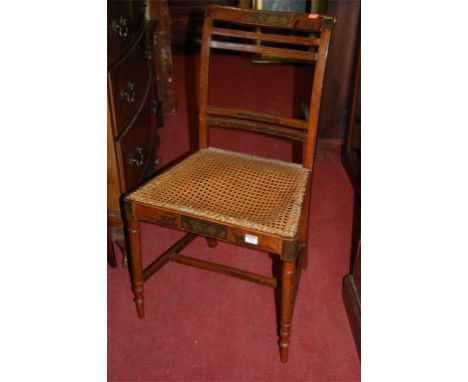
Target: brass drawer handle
148	52
129	93
120	27
137	161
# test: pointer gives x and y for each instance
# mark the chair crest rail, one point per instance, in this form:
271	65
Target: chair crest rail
271	19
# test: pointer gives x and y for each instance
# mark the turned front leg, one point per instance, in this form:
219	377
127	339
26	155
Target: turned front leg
134	240
288	270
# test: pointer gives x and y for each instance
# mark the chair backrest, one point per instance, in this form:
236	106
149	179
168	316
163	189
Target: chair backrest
298	36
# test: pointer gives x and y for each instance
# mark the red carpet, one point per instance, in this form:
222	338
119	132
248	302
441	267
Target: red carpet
202	326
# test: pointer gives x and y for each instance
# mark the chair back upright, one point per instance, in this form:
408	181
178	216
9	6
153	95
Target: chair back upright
299	37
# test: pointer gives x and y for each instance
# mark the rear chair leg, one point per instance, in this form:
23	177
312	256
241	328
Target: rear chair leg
212	243
123	249
134	239
111	260
288	270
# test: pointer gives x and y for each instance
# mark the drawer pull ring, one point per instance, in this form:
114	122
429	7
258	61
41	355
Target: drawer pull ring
148	52
121	27
129	94
137	162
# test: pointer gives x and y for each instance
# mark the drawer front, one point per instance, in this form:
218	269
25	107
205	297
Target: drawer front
137	146
125	19
129	83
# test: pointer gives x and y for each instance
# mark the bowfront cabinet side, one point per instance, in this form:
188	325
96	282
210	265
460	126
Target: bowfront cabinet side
133	109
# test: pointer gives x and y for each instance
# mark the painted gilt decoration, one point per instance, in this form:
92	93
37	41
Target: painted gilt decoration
204	228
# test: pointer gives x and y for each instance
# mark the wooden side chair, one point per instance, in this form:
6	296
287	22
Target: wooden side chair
238	198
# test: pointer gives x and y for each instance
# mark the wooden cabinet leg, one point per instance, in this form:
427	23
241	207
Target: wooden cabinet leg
134	240
288	270
123	249
212	243
111	260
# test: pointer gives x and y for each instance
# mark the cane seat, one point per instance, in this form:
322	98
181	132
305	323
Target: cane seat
230	187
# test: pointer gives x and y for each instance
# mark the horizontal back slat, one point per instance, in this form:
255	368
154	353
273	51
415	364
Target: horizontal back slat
258	36
259	127
259	117
269	51
291	36
296	21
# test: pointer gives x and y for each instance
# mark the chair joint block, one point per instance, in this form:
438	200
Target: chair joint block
290	250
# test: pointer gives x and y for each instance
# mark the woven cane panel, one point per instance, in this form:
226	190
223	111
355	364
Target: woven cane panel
253	192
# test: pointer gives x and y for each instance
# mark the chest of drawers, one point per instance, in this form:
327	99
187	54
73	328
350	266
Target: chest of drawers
133	109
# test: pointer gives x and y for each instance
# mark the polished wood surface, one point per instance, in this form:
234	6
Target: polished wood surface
132	112
352	298
159	11
259	127
133	231
287	293
291	251
228	232
351	158
266	50
125	21
258	117
137	147
223	269
129	84
259	36
334	110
